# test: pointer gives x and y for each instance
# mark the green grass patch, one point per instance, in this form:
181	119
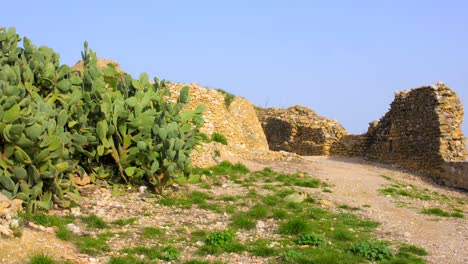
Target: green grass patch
258	211
224	168
242	221
372	250
152	232
442	213
411	249
124	222
94	221
228	97
125	260
311	240
50	221
347	207
294	226
218	137
94	245
41	258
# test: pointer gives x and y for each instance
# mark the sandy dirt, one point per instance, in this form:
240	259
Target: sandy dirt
356	183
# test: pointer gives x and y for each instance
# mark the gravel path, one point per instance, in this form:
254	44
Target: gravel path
356	183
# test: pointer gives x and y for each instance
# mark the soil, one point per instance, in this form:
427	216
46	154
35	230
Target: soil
353	181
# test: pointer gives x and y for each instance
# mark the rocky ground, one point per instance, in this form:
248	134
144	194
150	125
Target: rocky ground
137	218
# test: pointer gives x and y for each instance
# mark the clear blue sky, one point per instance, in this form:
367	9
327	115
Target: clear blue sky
344	59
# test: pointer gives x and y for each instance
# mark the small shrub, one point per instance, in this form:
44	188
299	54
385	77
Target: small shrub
372	251
311	240
220	138
220	238
294	227
41	258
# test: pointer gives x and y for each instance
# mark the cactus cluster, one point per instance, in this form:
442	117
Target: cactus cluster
57	123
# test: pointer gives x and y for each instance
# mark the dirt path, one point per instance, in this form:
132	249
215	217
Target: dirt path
356	183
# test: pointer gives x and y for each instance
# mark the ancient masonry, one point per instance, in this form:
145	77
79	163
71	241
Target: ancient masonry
300	130
422	131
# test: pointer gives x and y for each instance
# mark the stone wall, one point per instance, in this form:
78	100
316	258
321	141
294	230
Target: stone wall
299	130
422	131
238	122
454	174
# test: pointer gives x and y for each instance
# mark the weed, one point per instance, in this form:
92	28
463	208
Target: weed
152	232
125	260
149	252
224	168
258	211
218	137
242	221
343	235
411	249
311	240
170	253
261	249
279	214
442	213
63	234
41	258
94	221
202	137
219	242
271	200
94	245
51	220
228	97
294	227
372	250
220	238
199	197
124	222
217	153
347	207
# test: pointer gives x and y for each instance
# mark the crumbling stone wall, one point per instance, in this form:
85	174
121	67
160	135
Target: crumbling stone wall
422	131
299	130
238	122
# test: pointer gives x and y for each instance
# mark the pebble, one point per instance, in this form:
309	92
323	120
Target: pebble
200	243
142	189
260	224
74	229
75	211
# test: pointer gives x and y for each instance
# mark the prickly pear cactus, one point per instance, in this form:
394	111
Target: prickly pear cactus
56	124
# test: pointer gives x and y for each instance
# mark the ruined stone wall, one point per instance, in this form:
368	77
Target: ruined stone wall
351	146
238	122
454	174
299	130
422	131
